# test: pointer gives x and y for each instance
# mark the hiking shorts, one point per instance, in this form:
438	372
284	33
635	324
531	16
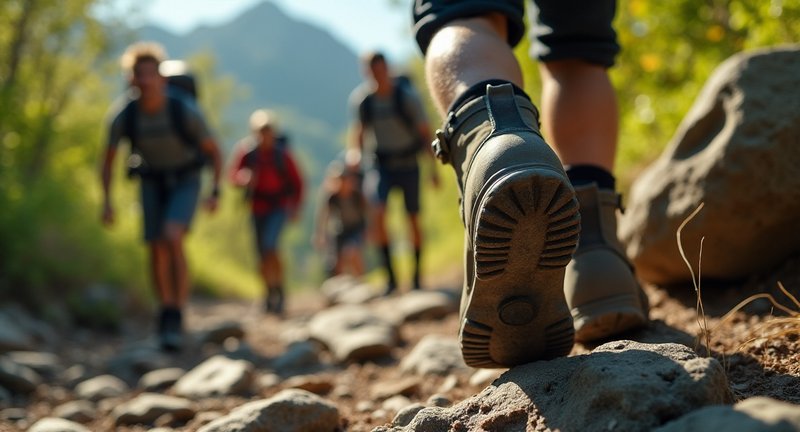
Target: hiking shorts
385	180
352	238
268	229
168	201
560	29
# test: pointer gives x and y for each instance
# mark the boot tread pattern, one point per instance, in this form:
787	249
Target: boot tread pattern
499	218
475	339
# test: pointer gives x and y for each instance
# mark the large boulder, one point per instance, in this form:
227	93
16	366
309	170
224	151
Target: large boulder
757	414
737	151
622	385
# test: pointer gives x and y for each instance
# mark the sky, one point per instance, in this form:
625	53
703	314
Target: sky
361	25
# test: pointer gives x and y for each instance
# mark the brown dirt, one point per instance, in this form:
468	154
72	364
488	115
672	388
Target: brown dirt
760	352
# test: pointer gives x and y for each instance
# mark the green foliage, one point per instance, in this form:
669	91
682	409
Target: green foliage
50	241
53	100
669	49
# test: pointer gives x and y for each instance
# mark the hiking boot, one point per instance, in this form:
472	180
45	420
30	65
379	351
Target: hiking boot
522	224
170	332
603	294
275	301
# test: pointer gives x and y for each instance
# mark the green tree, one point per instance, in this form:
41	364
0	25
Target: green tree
669	49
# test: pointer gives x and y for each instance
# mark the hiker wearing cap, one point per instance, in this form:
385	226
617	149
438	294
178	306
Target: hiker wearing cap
170	143
272	182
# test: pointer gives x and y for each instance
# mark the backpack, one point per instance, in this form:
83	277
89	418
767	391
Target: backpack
280	152
365	112
181	90
180	80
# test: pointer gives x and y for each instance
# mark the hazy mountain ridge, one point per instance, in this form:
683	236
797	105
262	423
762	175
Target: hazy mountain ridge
285	64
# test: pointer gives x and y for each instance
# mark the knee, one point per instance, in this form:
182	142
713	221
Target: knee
173	237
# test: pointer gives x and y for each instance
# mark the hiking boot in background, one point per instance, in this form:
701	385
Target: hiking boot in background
170	331
602	291
522	226
275	302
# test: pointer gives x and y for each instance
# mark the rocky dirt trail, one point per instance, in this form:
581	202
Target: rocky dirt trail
372	362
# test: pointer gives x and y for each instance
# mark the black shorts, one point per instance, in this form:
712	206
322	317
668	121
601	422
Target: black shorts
560	29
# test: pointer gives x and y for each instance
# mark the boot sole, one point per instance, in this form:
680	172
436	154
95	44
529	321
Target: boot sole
525	232
608	317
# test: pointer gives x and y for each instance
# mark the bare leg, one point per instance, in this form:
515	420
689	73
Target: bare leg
180	271
579	113
381	236
450	71
160	272
416	231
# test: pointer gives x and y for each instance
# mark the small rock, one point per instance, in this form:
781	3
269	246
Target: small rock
448	384
53	424
434	354
405	415
406	387
101	387
439	400
483	377
354	333
217	376
418	305
148	407
75	375
364	406
13	414
80	411
17	378
299	355
220	332
136	360
289	410
13	338
395	403
160	379
44	364
311	383
268	380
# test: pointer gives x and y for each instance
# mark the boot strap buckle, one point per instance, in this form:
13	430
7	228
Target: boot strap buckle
441	145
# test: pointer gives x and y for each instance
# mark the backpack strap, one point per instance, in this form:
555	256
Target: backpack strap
130	118
365	109
398	101
176	110
177	118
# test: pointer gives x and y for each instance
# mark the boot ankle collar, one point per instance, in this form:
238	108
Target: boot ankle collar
453	122
456	119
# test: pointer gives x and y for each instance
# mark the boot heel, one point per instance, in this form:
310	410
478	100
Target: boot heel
526	229
608	316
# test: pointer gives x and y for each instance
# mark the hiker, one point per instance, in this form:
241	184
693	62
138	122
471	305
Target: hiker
170	144
341	220
538	272
266	169
389	132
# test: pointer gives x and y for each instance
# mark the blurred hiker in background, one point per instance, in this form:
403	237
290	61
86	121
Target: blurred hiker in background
390	131
265	168
342	220
170	144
